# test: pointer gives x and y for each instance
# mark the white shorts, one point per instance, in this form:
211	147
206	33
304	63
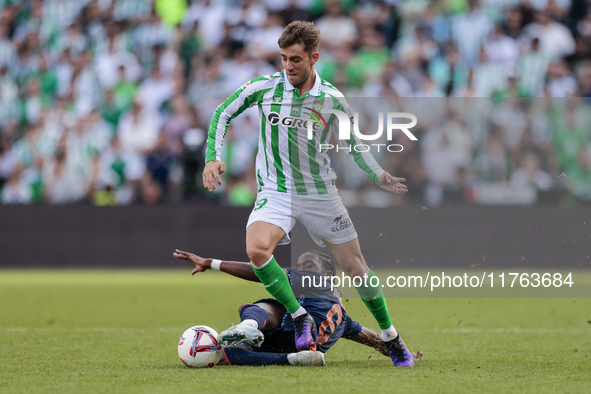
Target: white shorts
324	216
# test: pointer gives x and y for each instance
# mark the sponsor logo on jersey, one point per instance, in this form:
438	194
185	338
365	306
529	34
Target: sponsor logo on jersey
291	121
273	118
317	116
277	99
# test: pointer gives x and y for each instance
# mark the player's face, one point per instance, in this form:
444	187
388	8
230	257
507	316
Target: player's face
310	262
298	64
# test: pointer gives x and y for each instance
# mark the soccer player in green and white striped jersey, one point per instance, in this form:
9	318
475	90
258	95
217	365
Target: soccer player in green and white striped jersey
297	183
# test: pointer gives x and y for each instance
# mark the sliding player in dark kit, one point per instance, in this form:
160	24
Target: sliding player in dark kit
266	331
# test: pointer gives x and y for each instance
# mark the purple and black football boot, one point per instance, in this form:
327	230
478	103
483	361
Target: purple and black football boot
305	332
399	353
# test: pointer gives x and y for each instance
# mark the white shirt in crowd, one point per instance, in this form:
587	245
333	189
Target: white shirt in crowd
155	91
469	31
138	136
336	31
521	178
555	38
503	50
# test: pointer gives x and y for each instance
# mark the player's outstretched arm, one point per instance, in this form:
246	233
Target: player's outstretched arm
372	339
392	184
238	269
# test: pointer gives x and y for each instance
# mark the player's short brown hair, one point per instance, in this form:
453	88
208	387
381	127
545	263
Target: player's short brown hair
303	33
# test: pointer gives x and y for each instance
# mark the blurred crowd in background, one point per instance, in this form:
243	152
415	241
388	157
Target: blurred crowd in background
108	102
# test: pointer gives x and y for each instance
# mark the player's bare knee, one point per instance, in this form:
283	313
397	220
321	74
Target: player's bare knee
356	271
257	254
353	266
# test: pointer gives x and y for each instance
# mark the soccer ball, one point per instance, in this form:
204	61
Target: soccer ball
199	347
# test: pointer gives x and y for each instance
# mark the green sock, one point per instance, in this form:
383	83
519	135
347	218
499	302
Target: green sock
277	284
373	298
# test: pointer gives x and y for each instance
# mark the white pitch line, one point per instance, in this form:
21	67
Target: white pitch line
506	330
511	330
90	329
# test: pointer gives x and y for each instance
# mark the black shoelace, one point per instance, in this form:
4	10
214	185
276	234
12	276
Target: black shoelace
397	349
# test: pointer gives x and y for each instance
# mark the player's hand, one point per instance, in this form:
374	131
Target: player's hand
211	174
201	264
393	184
417	356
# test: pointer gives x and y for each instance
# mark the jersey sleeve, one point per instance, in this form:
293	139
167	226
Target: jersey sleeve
363	159
352	328
248	95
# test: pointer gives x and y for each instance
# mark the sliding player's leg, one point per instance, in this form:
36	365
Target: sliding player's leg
261	239
265	317
351	260
255	320
240	355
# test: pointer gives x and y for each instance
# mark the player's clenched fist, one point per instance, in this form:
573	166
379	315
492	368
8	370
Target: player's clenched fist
211	174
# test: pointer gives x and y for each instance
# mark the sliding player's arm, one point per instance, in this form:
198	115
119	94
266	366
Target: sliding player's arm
246	96
357	333
365	160
372	339
238	269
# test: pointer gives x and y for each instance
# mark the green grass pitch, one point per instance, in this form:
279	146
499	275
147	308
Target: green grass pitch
95	331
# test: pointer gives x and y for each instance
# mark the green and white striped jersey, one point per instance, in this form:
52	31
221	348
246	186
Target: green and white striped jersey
531	73
287	161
